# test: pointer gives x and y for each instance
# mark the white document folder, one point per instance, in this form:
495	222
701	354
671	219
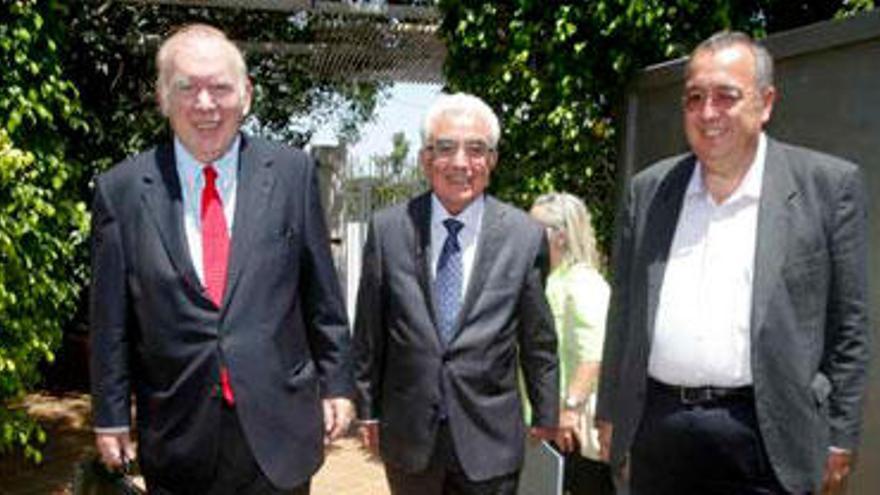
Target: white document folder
542	470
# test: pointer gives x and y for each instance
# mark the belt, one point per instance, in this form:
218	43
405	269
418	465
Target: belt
701	395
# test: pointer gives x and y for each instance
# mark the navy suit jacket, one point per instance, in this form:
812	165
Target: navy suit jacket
281	329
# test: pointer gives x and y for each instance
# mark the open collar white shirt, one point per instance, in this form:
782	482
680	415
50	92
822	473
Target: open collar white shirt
702	330
472	218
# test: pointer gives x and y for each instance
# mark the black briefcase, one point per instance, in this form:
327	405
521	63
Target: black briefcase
92	478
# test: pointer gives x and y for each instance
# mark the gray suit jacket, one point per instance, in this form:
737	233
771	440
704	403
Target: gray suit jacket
403	371
809	321
281	330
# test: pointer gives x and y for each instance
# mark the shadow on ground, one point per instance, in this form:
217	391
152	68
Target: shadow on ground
65	417
348	469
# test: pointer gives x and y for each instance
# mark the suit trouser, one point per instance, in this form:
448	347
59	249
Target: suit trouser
237	471
445	476
703	447
585	476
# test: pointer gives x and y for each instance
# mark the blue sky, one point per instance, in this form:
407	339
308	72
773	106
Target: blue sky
402	110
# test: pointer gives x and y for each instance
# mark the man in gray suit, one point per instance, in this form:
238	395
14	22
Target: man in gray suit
738	340
451	303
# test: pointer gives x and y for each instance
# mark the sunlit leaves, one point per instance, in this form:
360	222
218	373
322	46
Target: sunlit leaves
557	73
109	54
42	224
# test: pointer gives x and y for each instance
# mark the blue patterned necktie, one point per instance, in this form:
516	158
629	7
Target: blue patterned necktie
447	284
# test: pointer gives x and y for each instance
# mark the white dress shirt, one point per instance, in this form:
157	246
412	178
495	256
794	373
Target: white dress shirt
702	330
472	219
192	181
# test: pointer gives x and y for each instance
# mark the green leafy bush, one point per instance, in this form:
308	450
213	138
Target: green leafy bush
42	223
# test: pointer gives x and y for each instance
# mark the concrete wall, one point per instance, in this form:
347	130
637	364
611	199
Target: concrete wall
828	76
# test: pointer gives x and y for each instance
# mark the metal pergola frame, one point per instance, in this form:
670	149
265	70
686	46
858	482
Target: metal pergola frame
346	7
376	42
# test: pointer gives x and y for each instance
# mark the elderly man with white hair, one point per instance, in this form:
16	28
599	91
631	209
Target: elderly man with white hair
451	305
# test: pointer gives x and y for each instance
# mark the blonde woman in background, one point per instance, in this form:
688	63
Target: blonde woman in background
578	296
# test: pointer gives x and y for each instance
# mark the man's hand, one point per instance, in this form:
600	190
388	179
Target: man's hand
837	469
115	449
605	431
338	413
547	433
369	433
565	437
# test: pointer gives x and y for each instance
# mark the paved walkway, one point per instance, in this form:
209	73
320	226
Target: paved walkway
348	470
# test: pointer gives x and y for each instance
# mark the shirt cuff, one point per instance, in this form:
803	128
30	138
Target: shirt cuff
838	450
112	429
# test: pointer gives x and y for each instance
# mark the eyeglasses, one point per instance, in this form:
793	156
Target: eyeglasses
473	148
721	98
191	91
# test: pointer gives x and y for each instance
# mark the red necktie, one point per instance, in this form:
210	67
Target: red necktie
215	256
215	238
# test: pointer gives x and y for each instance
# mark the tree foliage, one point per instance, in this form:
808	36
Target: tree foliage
110	49
395	176
399	177
41	219
557	74
394	163
76	96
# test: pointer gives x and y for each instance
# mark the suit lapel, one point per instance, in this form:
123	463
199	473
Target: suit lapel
660	228
419	211
163	200
777	192
489	243
255	184
490	240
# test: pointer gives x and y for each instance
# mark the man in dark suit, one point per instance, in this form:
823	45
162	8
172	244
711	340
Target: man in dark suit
214	297
738	338
451	304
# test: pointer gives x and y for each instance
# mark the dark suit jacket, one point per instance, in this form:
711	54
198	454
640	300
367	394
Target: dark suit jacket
281	330
809	322
401	364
